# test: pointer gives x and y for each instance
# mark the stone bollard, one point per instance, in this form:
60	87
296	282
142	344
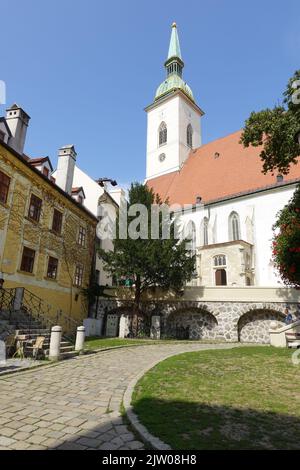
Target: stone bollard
80	338
55	340
122	326
155	327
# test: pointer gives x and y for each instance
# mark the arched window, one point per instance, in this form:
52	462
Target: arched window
220	270
205	231
219	260
162	134
189	136
234	227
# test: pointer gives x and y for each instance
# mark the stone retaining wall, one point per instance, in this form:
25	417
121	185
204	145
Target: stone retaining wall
230	321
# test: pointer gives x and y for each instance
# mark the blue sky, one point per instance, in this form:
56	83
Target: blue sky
85	70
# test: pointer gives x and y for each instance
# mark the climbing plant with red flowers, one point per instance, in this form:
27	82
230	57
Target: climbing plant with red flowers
286	242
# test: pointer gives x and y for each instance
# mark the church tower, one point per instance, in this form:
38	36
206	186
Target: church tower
173	119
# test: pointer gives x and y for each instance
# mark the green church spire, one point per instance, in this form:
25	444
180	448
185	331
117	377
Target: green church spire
174	48
174	65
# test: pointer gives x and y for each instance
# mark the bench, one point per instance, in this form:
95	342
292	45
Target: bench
292	339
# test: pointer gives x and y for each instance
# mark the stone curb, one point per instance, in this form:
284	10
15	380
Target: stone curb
141	430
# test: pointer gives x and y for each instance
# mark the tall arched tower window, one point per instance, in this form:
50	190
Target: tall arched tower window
162	133
234	227
189	136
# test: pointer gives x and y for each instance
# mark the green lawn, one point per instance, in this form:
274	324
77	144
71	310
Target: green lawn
99	343
244	398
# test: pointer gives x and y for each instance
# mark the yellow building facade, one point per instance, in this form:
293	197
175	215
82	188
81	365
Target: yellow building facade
46	237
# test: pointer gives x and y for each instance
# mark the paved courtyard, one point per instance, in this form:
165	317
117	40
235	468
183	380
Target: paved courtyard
76	403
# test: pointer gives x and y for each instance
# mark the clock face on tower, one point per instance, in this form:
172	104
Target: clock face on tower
162	157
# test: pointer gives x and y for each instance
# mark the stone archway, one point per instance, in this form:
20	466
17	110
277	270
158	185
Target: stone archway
191	323
253	326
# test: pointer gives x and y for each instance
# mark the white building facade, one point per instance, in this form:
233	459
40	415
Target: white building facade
233	205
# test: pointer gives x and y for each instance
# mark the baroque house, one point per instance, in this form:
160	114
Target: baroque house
232	205
47	234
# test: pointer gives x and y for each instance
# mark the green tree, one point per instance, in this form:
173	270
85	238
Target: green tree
277	130
165	263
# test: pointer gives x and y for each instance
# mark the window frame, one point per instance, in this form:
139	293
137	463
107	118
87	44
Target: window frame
189	135
81	238
78	275
234	227
53	228
52	258
162	134
25	258
37	216
4	187
219	257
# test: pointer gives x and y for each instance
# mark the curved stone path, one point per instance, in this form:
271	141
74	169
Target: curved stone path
76	403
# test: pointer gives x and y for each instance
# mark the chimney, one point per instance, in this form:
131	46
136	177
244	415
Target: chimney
118	195
65	168
17	121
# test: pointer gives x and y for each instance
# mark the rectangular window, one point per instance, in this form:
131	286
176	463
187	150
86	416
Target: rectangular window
78	275
97	277
35	207
82	236
2	135
57	221
52	268
4	187
27	262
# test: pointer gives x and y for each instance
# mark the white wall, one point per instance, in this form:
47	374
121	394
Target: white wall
91	189
177	113
261	208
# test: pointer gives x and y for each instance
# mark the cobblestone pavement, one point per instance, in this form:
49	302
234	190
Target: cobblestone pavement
16	365
75	404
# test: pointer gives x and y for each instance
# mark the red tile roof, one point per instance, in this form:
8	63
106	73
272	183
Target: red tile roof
236	170
38	161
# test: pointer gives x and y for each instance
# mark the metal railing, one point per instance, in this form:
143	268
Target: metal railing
36	311
7	297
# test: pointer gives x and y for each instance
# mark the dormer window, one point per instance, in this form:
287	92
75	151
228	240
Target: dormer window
78	195
162	134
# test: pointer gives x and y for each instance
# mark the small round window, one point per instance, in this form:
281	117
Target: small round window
162	157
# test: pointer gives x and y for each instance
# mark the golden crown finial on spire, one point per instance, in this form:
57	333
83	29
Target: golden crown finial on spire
174	25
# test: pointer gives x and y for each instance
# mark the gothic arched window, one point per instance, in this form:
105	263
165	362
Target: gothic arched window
220	270
162	134
219	260
234	227
189	136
